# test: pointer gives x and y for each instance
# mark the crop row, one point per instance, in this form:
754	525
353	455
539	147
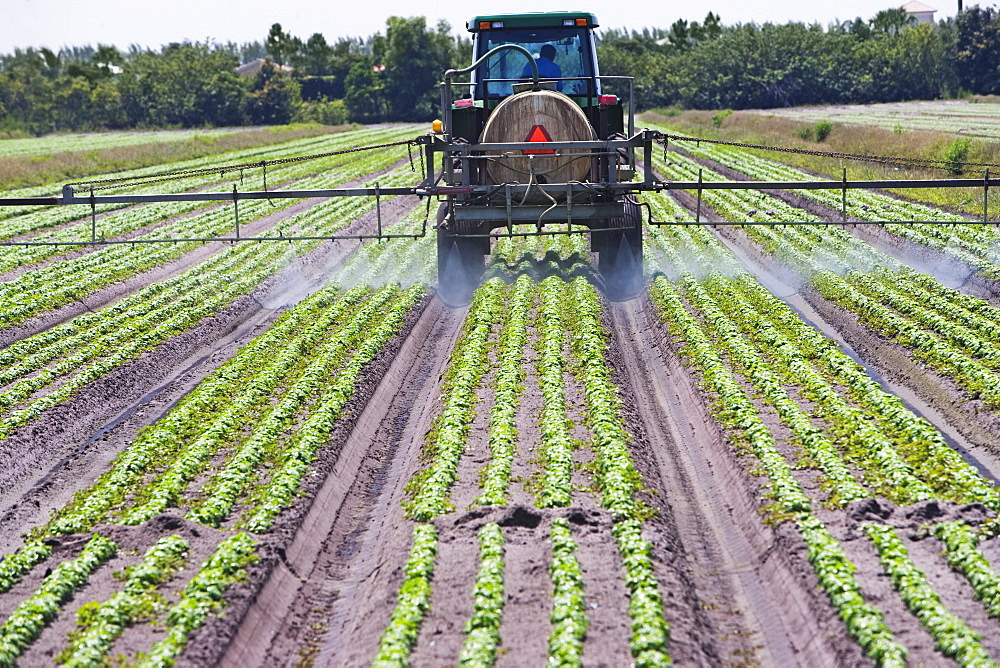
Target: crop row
18	221
556	445
31	616
737	411
569	616
950	333
507	393
93	344
488	595
96	141
412	602
448	437
961	547
569	337
73	279
202	595
952	637
100	624
297	394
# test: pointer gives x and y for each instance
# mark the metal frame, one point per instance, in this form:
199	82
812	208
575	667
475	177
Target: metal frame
509	213
843	185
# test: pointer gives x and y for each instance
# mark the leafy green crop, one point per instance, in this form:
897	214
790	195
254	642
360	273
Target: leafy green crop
108	620
203	595
483	630
25	624
569	616
507	390
413	601
951	636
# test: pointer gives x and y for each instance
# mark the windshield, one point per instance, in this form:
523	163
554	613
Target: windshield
559	52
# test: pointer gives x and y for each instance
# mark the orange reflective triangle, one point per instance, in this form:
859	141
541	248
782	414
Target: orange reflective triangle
538	134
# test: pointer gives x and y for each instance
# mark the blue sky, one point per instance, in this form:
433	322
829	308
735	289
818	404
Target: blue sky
152	23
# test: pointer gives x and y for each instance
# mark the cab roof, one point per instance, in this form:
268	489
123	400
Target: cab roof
532	20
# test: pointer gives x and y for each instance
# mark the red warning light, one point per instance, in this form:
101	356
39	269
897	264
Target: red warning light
538	134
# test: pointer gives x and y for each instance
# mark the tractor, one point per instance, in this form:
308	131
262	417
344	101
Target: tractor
534	138
535	141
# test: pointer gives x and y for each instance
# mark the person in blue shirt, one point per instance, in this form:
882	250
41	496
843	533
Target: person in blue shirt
547	68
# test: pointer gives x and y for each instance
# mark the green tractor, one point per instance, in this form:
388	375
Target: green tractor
532	139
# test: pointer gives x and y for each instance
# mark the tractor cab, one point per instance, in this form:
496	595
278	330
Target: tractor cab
563	47
562	44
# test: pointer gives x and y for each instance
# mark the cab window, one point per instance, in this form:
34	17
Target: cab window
572	58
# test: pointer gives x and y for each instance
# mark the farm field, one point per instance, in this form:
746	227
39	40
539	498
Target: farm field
960	117
781	452
35	146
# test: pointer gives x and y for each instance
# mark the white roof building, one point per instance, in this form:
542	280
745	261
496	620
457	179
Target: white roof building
920	11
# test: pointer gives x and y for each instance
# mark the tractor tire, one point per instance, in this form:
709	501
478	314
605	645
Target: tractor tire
461	260
619	253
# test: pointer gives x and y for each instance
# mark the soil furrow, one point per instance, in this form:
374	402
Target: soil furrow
758	595
344	564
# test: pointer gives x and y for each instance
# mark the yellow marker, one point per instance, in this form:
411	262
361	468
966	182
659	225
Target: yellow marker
437	126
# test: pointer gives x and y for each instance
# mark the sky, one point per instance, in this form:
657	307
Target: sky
153	23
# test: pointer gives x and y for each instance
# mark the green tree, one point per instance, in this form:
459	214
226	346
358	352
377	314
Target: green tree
282	46
640	58
274	98
365	92
315	57
27	85
976	51
186	85
892	21
415	59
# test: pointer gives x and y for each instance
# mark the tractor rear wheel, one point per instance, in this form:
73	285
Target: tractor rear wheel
619	253
461	259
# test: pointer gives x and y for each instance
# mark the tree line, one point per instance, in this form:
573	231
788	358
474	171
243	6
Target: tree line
390	76
393	75
889	58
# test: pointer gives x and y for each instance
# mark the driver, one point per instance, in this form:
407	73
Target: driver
547	68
